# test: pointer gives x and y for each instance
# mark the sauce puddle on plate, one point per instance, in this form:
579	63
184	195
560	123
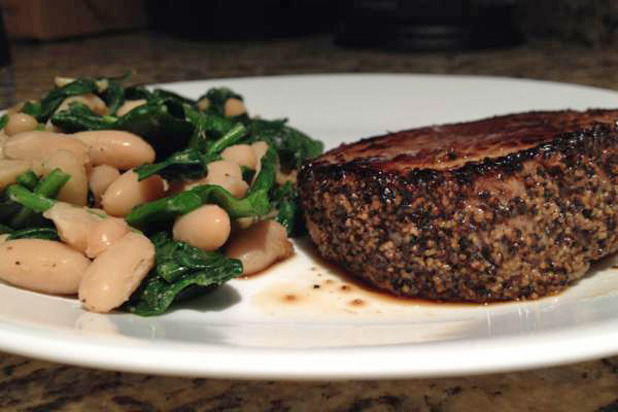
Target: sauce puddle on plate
324	289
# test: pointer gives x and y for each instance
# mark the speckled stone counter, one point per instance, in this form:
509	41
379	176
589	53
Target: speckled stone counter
27	384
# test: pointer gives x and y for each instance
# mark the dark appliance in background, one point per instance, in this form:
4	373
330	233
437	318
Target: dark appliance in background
242	20
428	24
380	24
7	80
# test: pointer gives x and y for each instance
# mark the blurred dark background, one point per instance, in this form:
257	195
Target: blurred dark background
379	24
173	40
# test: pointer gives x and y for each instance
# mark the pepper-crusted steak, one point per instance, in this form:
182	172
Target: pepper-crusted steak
509	207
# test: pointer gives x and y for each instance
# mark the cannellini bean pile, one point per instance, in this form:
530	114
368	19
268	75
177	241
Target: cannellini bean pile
99	257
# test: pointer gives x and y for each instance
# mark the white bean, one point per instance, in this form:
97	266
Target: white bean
100	178
90	100
117	148
242	155
203	104
37	145
282	178
126	192
224	168
60	81
16	108
207	227
75	190
88	230
129	105
234	107
10	169
104	234
20	122
114	275
260	246
74	224
42	265
102	85
226	174
260	148
245	222
3	139
237	188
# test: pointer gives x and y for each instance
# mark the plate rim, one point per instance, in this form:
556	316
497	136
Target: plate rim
541	350
316	75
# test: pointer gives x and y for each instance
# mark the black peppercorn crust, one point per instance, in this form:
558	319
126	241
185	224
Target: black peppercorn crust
511	207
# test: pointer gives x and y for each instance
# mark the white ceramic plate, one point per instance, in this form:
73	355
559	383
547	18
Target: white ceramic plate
279	325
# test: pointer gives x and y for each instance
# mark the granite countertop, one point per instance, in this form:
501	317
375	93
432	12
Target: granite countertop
27	384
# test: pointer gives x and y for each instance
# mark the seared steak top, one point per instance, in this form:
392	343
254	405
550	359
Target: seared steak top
450	146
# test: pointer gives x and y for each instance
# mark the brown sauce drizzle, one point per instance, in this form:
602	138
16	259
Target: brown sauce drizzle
348	284
351	283
357	302
289	298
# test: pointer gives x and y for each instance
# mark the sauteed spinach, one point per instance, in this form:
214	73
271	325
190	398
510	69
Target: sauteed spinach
187	135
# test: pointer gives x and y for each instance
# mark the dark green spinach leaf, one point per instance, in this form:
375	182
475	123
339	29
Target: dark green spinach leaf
32	108
217	97
52	100
157	121
37	201
190	164
114	96
286	201
255	203
46	233
179	268
294	147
